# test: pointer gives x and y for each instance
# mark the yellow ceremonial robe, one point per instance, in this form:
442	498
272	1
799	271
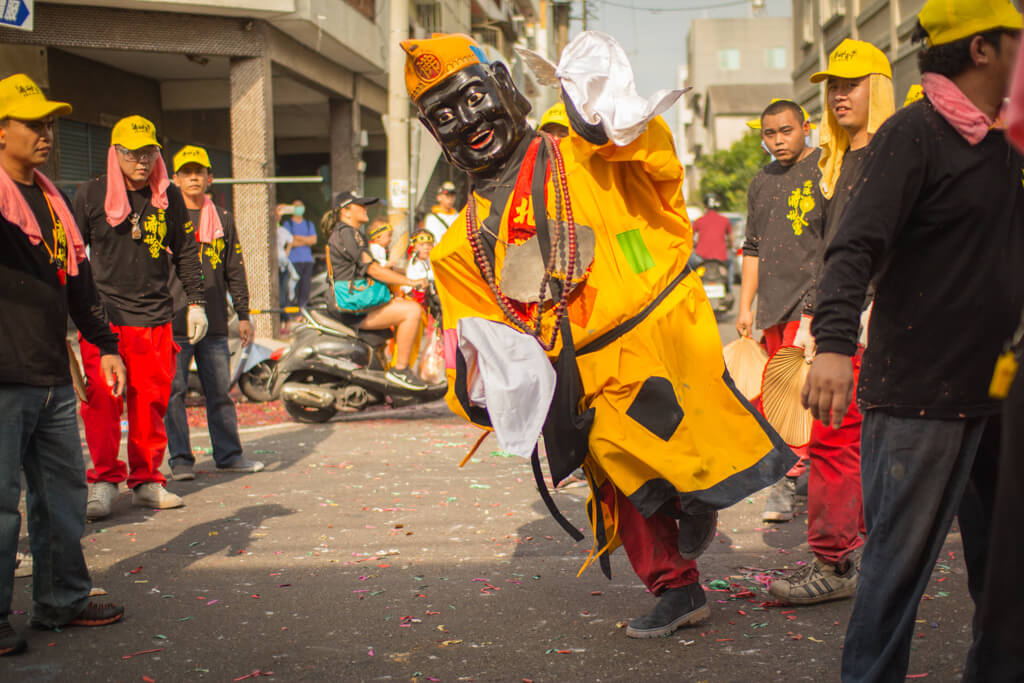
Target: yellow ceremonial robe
668	421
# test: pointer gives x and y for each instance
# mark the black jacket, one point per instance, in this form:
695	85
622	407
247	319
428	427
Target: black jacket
939	224
132	275
223	273
34	305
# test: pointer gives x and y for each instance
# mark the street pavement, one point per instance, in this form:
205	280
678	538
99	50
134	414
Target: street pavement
363	553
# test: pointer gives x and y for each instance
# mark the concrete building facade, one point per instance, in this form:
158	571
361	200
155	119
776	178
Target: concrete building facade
735	66
271	87
820	25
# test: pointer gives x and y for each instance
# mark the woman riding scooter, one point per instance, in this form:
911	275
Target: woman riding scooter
361	287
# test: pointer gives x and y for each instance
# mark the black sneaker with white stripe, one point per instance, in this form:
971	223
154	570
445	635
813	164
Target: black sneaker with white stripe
816	582
406	379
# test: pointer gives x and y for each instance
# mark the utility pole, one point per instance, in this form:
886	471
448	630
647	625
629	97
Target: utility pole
584	15
398	125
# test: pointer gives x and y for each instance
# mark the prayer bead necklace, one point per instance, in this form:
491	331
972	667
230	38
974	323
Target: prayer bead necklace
562	205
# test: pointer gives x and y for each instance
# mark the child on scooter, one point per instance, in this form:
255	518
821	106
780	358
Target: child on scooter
422	242
379	236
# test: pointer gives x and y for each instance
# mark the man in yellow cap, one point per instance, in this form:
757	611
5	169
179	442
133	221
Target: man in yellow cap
443	214
781	250
555	121
572	253
132	217
936	225
44	277
223	272
859	94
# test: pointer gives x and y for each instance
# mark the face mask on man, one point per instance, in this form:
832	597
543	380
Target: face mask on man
299	211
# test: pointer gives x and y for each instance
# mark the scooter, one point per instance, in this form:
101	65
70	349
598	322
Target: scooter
331	367
715	275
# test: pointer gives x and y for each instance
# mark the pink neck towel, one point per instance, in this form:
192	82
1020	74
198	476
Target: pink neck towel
16	210
210	227
116	204
954	106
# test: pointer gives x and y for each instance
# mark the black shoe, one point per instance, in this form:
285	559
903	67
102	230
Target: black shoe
93	614
241	465
696	533
182	471
677	607
10	642
406	379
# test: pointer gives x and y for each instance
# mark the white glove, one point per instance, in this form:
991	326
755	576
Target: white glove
197	324
804	339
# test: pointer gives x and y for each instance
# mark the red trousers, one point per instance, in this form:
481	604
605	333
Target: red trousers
835	514
149	356
651	543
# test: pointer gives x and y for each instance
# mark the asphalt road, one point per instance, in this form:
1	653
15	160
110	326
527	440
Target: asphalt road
363	553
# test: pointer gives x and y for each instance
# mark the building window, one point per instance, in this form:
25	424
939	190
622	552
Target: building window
82	151
775	58
729	60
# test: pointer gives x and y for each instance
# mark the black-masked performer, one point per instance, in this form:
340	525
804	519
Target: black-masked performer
569	309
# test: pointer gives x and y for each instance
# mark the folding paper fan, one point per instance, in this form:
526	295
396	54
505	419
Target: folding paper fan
76	372
784	377
745	359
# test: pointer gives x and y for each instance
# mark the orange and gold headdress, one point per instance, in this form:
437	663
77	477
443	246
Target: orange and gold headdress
430	60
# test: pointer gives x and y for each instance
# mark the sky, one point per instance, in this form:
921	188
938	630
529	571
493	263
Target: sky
656	41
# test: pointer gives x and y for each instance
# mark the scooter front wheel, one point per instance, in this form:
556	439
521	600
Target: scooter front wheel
255	383
307	414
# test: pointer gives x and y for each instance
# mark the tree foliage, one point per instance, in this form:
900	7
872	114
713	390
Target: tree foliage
727	173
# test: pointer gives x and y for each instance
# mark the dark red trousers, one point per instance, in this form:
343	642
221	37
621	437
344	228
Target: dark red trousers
835	513
149	356
651	543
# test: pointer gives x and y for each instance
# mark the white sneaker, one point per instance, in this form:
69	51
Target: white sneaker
153	495
101	499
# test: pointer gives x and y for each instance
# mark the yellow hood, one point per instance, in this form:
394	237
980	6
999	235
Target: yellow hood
834	139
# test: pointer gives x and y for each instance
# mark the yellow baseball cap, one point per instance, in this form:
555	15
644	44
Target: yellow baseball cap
190	154
854	59
556	114
755	124
133	132
915	93
429	61
21	98
949	20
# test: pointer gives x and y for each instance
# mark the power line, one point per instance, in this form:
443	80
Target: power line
731	3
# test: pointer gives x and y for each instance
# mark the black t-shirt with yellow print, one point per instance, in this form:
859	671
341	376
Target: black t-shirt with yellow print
785	226
223	274
132	274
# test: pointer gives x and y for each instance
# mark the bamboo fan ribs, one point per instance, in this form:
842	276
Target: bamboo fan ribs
784	378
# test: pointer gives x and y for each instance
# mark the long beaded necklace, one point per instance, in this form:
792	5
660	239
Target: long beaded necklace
55	255
562	205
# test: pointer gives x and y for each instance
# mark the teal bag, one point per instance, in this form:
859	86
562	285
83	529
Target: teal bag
359	296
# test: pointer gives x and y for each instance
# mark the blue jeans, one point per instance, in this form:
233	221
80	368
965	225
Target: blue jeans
39	434
916	474
213	360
